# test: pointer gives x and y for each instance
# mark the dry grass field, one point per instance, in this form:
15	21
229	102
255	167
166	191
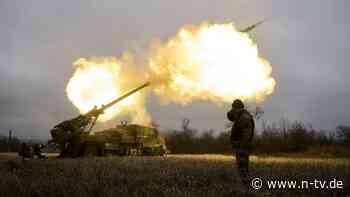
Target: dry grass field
174	175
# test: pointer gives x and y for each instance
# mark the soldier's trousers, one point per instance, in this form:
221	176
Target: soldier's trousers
242	160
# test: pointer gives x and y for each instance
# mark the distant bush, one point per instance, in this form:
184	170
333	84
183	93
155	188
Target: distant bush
186	142
11	145
344	134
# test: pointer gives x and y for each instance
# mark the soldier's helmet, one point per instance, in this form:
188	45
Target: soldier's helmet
237	104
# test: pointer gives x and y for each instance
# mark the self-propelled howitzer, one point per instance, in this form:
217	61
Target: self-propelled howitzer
67	135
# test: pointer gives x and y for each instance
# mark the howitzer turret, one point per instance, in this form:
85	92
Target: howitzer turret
67	134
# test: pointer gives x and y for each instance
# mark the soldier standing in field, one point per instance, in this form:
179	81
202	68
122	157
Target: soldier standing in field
241	137
25	151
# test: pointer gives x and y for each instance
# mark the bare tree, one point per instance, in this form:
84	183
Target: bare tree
185	124
258	112
343	132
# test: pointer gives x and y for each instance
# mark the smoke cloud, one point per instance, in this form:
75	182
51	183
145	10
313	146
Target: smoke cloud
214	63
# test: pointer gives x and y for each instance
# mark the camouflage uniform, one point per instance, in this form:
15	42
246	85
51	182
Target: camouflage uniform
25	151
241	136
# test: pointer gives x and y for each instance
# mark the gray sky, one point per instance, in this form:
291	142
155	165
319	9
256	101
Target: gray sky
305	41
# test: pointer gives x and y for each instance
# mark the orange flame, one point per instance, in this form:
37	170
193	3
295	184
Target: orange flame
210	62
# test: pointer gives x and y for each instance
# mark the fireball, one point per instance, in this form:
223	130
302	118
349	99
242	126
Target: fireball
94	83
211	62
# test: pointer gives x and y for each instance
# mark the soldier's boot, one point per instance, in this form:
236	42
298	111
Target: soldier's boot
243	164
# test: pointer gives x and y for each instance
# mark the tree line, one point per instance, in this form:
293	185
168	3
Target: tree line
9	144
282	137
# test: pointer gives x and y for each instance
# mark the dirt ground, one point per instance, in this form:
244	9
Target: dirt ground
174	175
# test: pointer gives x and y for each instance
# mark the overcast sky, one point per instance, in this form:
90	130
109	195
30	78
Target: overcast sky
307	43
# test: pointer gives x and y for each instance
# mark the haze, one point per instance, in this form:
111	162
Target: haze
305	41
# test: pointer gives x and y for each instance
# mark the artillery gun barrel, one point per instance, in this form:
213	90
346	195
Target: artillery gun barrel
251	27
104	107
70	128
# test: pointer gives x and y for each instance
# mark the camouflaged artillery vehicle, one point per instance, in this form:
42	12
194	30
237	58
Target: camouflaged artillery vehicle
125	139
74	137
